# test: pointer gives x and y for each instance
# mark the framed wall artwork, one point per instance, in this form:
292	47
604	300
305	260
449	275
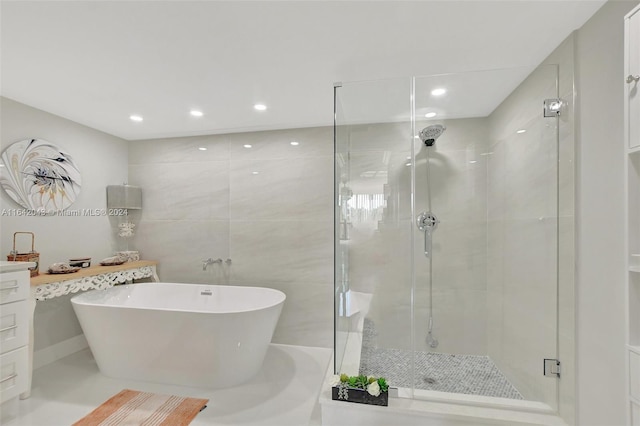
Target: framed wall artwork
39	175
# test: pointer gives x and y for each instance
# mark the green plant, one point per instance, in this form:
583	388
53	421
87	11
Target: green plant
362	381
382	382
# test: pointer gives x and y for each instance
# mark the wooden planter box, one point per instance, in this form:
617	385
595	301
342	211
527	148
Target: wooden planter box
359	395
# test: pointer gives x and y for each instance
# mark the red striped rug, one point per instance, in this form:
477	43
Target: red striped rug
131	407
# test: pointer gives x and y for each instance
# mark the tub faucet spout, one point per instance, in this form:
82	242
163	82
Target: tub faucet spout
208	262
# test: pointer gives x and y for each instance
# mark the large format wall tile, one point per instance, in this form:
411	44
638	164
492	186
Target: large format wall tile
305	319
297	189
380	252
468	134
522	268
311	143
183	191
459	320
379	137
180	247
282	251
275	226
179	150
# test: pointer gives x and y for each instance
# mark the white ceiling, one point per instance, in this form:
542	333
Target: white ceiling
98	62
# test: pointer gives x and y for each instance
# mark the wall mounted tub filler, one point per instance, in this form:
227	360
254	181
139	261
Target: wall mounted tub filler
218	261
361	389
210	261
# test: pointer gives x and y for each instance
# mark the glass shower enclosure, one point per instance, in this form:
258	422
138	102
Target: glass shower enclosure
446	233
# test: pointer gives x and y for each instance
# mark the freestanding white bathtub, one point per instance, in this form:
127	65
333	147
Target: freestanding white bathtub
184	334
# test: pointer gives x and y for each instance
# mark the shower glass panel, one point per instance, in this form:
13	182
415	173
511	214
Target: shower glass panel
447	239
373	219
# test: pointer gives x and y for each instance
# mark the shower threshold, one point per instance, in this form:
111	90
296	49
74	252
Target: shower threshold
417	407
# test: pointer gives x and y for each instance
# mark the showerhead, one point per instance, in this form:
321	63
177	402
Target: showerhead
429	134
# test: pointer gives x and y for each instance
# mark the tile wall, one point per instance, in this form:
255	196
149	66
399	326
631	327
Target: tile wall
522	267
268	208
379	247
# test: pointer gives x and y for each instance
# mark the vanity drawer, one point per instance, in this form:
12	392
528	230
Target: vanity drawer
14	286
14	326
13	373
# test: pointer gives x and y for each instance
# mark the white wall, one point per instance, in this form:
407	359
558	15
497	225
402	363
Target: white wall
599	218
276	226
102	160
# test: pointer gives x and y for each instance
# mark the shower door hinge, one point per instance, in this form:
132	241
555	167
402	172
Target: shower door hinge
551	367
552	107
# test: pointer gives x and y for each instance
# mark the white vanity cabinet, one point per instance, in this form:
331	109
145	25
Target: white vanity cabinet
14	329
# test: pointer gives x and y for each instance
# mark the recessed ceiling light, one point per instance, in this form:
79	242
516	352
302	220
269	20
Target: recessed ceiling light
260	107
202	148
438	92
430	114
521	131
255	173
294	143
473	161
196	113
408	164
135	118
247	146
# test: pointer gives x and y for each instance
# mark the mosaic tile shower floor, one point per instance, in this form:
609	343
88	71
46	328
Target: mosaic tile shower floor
466	374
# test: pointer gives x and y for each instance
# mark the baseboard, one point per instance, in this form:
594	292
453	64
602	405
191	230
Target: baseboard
55	352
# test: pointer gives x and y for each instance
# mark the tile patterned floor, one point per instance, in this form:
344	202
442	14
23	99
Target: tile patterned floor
467	374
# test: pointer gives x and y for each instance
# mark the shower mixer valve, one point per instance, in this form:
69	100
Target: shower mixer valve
427	222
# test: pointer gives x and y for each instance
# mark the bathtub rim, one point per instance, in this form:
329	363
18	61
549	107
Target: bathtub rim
77	299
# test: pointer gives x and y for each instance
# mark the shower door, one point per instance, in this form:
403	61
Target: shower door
485	305
446	256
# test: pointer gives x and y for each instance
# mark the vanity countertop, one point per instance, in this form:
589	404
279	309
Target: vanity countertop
6	266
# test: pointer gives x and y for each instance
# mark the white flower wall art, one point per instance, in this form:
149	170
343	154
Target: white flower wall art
39	175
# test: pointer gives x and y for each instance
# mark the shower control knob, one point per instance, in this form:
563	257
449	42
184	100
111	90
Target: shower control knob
632	78
427	221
